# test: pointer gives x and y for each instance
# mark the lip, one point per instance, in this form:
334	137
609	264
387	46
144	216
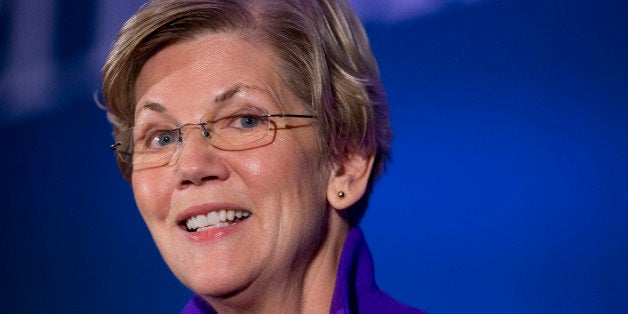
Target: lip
214	233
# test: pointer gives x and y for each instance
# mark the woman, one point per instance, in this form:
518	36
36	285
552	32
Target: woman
251	133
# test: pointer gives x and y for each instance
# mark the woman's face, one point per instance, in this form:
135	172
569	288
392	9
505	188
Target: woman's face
281	186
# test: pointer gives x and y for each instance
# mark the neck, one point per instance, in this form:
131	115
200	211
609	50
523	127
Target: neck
320	280
308	289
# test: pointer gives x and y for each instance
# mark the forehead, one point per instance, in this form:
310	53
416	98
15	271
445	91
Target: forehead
197	74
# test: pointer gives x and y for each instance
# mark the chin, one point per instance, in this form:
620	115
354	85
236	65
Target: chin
215	285
211	271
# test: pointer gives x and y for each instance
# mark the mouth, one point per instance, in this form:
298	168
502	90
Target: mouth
214	219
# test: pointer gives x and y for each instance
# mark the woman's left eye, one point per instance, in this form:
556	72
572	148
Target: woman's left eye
248	122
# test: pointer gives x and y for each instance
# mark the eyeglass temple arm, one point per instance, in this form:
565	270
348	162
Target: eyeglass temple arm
287	115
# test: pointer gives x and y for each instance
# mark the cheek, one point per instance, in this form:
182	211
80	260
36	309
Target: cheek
254	166
293	172
277	174
150	191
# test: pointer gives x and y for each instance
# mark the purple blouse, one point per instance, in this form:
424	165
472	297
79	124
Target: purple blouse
355	291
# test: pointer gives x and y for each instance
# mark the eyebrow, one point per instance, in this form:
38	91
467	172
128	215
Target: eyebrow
234	90
222	97
154	106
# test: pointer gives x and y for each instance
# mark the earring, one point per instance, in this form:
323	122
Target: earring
341	194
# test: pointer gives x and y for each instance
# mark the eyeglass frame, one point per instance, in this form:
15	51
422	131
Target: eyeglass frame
206	133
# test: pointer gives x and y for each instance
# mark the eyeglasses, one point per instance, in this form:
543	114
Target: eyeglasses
154	144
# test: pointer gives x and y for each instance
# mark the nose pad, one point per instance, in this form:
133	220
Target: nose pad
196	161
184	138
204	132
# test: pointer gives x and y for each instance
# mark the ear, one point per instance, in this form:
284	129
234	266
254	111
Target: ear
351	178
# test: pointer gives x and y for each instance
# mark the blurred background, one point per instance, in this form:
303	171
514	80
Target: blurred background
507	192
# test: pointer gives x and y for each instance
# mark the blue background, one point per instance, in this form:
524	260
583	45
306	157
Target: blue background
507	192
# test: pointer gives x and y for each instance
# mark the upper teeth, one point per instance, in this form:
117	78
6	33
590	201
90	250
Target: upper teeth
215	218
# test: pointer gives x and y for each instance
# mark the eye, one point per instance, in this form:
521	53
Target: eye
163	139
240	120
248	122
157	137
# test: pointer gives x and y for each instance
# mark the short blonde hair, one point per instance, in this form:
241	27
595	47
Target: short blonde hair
322	51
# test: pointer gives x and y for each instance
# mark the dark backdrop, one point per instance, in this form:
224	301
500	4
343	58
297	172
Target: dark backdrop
507	191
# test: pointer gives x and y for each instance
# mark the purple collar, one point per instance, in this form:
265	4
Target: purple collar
355	291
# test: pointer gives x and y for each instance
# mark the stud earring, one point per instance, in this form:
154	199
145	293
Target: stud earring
341	194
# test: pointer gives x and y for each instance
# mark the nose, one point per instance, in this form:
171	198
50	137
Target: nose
197	161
